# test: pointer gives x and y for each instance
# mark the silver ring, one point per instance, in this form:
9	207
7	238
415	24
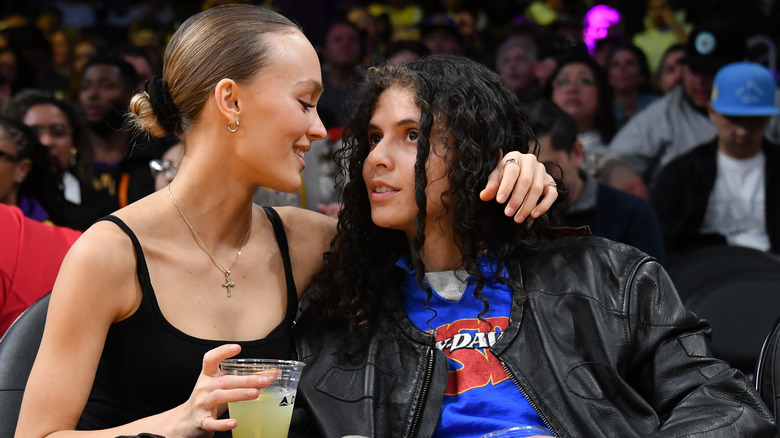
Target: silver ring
552	184
511	160
201	422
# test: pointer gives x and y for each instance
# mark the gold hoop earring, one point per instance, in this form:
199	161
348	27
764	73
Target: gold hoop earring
231	129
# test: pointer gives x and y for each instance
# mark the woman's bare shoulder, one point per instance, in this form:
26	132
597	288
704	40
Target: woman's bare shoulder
309	235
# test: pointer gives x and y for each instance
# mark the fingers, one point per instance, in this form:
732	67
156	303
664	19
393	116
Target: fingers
523	183
213	357
550	194
517	184
491	188
211	424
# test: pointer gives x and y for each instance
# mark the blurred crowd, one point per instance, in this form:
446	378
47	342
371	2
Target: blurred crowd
616	91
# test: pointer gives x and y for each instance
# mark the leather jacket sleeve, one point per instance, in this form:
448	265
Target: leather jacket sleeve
692	393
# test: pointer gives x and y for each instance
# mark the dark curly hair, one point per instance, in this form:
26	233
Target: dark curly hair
361	286
18	106
43	182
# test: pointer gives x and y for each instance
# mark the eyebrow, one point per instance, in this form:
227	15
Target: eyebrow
311	83
403	122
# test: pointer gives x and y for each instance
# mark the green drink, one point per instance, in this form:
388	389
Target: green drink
269	415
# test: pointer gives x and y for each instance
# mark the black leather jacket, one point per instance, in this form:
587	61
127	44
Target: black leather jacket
602	347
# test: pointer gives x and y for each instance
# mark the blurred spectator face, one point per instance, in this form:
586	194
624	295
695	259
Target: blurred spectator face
698	85
543	69
12	169
53	130
670	72
516	69
164	169
624	72
142	67
82	52
574	90
104	95
60	49
442	41
9	66
342	46
740	136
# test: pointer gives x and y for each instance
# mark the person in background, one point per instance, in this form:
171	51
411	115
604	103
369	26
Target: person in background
164	169
608	212
515	60
631	82
550	49
579	86
86	48
15	69
670	70
120	172
61	128
441	35
401	51
30	258
678	122
726	191
437	316
197	273
28	177
141	60
342	55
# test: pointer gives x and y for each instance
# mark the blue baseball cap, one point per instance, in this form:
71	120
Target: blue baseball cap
744	89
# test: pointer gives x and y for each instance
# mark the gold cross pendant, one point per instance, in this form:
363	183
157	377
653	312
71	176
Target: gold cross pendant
228	283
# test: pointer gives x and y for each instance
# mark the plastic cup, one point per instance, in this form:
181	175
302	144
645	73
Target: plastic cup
518	432
269	415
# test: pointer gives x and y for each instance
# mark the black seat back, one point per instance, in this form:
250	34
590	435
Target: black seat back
18	349
767	376
742	309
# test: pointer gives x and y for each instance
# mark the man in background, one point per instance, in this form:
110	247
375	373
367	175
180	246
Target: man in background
609	212
726	191
678	122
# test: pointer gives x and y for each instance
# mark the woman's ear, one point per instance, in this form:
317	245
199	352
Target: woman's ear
227	95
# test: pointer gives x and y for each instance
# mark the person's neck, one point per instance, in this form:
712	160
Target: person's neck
742	154
440	251
11	198
110	147
574	186
585	124
628	101
341	76
220	213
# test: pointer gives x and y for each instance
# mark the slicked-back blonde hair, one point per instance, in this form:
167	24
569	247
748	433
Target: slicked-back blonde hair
224	42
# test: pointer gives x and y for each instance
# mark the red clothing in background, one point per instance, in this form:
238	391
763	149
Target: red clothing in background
30	256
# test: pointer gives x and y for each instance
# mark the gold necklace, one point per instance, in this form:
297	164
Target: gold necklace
228	282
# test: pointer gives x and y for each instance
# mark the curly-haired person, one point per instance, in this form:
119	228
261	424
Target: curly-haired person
437	316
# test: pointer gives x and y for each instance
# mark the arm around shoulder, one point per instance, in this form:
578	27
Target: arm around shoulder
309	235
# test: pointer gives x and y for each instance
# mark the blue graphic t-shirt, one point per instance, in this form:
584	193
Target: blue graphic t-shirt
480	396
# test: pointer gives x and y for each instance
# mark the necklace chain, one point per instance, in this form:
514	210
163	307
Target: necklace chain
228	282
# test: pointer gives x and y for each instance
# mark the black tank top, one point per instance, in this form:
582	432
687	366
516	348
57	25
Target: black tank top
148	366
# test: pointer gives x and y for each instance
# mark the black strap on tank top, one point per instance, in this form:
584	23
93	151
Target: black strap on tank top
281	240
141	270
